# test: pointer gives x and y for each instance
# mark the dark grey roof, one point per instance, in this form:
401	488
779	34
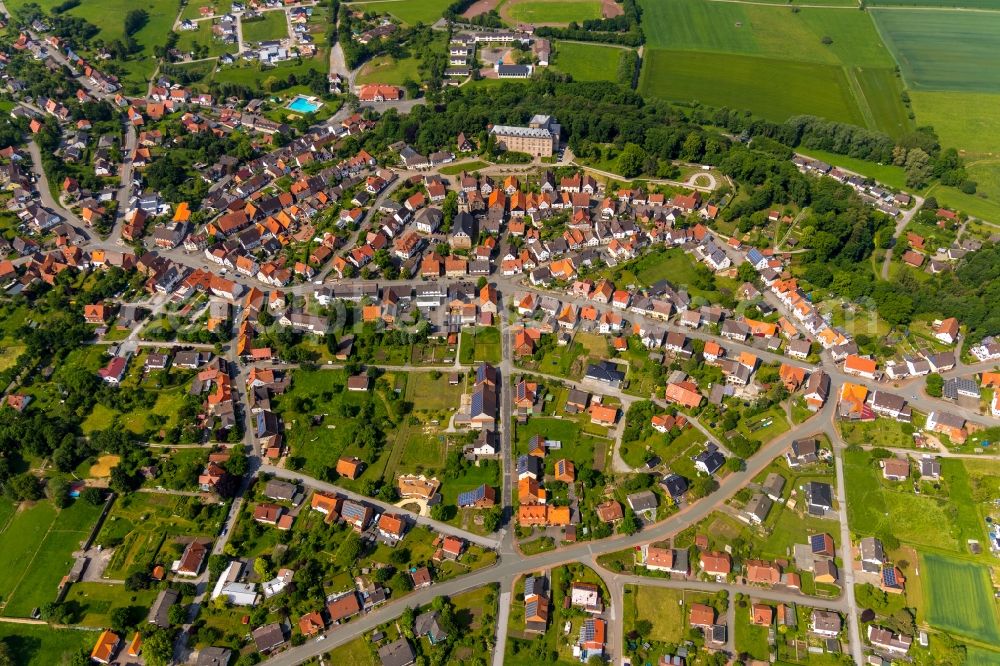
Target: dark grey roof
397	653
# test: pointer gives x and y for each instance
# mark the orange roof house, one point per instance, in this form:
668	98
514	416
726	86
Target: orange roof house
529	492
860	366
602	414
852	398
565	471
701	615
791	376
761	615
183	212
350	467
105	647
684	393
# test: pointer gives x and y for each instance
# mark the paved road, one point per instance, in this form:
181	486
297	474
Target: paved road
280	472
904	219
586	551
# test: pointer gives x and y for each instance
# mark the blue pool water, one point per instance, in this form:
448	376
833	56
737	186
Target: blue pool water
304	105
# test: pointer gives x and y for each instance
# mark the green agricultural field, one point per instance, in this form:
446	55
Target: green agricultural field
551	12
588	62
41	645
881	90
776	32
407	11
965	4
977	656
942	50
270	26
957	597
772	88
976	130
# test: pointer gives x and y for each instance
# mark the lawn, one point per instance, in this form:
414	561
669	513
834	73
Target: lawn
944	50
884	432
386	69
455	169
203	36
250	74
270	26
577	445
355	653
428	393
321	394
40	555
97	600
142	529
875	509
887	174
773	88
958	598
671	264
976	130
754	427
480	345
588	62
750	639
551	12
40	645
662	607
408	11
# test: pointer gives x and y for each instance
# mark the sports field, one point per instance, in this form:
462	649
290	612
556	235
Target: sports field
944	50
588	62
271	25
550	12
34	561
957	597
407	11
772	88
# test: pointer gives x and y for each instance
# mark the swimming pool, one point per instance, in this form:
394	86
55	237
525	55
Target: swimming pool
303	104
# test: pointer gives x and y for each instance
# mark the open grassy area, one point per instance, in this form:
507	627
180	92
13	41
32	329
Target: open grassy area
888	174
40	541
143	527
671	264
203	36
386	69
577	445
541	12
976	130
588	62
40	645
662	607
881	88
97	600
408	11
356	653
885	432
944	50
958	597
773	88
270	26
455	169
875	509
480	345
251	74
750	639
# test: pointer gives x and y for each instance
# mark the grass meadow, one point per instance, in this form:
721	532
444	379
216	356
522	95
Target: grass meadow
976	130
408	11
551	12
39	645
772	88
39	555
942	50
270	25
958	597
588	62
386	69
